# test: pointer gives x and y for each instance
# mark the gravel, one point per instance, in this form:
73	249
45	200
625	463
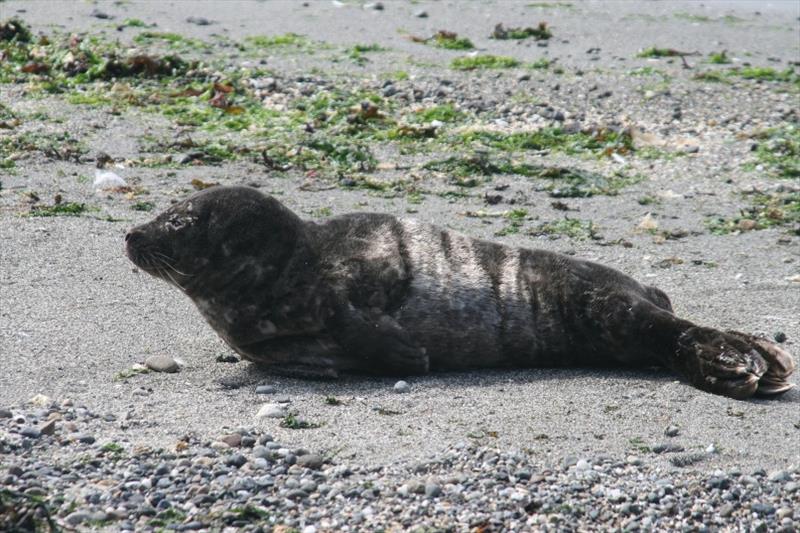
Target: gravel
199	486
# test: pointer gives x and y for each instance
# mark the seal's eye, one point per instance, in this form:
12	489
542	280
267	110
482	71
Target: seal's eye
175	222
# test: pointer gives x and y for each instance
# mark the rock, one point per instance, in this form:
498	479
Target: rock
667	447
105	179
377	6
5	413
402	387
297	494
421	14
432	490
78	517
779	476
671	431
86	439
762	508
615	496
726	510
40	400
96	13
272	410
234	440
583	464
311	460
779	336
265	389
200	21
30	432
236	460
162	363
49	428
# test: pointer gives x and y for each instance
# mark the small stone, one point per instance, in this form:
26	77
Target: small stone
161	363
40	400
762	508
30	432
691	149
96	13
5	413
377	6
199	21
191	526
234	440
582	464
615	495
421	14
746	224
779	336
49	428
78	517
432	490
265	389
261	451
236	460
779	476
86	439
402	387
784	512
726	510
667	447
311	460
671	431
272	410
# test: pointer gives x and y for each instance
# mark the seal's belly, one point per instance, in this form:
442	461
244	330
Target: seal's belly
451	306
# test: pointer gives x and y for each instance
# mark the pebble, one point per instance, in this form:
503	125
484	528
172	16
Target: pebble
5	413
265	389
161	363
31	432
49	428
421	14
432	490
199	21
311	460
236	460
402	387
272	410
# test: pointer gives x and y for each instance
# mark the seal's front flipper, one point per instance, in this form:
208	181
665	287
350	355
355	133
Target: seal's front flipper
303	371
296	357
378	343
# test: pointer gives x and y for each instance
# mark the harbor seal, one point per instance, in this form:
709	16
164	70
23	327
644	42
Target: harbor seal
371	293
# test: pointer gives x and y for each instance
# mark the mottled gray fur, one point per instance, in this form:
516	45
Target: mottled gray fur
375	294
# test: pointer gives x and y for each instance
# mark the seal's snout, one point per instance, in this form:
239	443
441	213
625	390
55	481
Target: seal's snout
132	239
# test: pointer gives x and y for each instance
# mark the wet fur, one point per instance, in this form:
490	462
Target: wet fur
372	293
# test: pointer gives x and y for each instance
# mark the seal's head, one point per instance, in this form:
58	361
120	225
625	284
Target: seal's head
215	235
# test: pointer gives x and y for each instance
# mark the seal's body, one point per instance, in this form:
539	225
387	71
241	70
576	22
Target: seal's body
372	293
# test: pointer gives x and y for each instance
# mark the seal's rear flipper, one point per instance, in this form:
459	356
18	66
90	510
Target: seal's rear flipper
781	366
